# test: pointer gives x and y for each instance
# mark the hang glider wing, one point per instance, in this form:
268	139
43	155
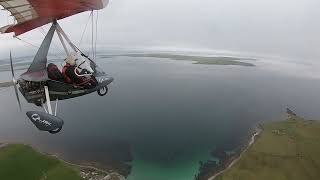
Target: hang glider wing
30	14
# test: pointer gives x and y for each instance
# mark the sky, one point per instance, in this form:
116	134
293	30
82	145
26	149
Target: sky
284	28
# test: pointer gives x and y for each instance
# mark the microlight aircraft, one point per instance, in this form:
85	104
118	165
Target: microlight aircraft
36	84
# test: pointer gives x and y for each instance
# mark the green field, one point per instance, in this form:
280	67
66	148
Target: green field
288	150
21	162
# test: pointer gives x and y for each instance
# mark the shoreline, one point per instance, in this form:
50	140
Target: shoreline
83	169
211	169
279	146
252	140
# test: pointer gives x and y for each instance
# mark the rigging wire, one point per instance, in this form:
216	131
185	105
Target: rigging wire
94	30
58	48
26	42
92	34
85	28
7	17
44	32
34	46
95	43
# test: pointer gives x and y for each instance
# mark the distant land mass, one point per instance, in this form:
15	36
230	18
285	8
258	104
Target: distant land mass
223	60
6	84
17	66
285	150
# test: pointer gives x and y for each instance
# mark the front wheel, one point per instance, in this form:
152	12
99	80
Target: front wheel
102	91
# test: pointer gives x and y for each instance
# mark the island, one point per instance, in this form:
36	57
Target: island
282	150
217	60
6	84
18	161
17	66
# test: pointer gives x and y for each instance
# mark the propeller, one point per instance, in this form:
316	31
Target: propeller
15	83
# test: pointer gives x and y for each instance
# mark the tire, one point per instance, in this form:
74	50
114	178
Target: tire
103	91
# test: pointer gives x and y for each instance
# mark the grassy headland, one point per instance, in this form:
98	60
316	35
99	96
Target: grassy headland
287	150
22	162
19	162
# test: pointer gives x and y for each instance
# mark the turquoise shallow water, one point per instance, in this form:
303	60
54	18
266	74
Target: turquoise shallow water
168	114
180	169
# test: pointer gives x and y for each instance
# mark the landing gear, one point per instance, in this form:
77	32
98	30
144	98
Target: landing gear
102	91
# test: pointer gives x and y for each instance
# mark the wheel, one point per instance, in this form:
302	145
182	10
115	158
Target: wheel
69	92
55	131
102	91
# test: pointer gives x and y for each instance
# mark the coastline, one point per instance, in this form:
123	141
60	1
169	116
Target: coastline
280	145
252	140
86	171
210	169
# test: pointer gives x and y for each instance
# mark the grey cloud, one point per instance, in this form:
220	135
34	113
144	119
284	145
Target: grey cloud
286	28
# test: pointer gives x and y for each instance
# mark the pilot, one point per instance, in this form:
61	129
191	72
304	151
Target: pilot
70	72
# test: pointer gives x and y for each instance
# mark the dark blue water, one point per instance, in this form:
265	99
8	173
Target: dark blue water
167	114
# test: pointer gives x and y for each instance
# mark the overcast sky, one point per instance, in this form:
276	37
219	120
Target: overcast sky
287	28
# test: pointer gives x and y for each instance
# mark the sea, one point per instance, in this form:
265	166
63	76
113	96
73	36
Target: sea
162	117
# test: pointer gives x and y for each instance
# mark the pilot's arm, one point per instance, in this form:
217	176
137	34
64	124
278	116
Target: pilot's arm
71	74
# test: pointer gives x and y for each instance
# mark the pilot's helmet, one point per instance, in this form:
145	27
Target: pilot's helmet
71	59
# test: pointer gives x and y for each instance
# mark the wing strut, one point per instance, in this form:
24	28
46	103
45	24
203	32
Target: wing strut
46	91
56	109
61	32
62	42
